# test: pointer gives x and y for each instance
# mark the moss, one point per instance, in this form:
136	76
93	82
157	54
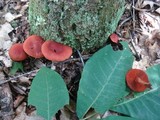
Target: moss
82	24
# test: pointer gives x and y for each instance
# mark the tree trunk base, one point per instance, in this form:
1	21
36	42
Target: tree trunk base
81	24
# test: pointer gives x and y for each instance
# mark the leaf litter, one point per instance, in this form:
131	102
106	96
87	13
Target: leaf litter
140	26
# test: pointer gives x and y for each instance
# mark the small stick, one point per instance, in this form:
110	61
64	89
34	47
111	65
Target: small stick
142	10
14	78
84	57
133	13
80	57
135	51
124	21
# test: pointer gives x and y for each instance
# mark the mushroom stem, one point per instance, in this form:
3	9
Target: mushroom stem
139	80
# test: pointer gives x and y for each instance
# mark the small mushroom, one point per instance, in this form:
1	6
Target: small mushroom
114	37
17	53
137	80
55	51
32	46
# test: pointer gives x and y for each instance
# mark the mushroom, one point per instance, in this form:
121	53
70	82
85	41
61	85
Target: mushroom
55	51
32	46
114	38
17	53
137	80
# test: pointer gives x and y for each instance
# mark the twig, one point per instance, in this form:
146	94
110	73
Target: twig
124	21
80	57
135	51
84	57
139	9
14	78
133	14
132	34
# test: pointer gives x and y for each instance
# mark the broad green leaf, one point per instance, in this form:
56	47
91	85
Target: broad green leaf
144	106
103	79
15	67
154	75
116	117
48	93
119	118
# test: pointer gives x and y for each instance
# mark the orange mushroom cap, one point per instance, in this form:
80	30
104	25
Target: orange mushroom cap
56	51
137	80
17	53
32	46
114	38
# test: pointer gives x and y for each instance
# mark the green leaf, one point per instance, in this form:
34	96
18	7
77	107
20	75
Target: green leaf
103	79
144	106
154	76
119	118
15	67
48	93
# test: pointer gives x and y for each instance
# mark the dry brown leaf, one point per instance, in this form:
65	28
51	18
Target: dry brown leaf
9	17
21	114
149	38
7	62
18	100
158	10
4	30
24	79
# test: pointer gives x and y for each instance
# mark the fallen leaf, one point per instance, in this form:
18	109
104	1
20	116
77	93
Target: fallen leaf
21	115
7	44
4	30
18	100
7	62
9	17
158	10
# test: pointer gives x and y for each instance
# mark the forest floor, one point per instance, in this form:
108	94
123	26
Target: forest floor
139	26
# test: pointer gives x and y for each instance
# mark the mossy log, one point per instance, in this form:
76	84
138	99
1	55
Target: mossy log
81	24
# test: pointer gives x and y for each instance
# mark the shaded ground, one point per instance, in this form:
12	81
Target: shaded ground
139	26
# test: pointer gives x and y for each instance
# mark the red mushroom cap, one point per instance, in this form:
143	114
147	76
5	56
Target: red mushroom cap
56	51
17	53
137	80
32	46
114	38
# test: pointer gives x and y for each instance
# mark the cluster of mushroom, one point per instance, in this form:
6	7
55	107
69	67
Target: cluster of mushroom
35	46
137	80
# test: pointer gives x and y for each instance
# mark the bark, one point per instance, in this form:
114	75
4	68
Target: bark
82	24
